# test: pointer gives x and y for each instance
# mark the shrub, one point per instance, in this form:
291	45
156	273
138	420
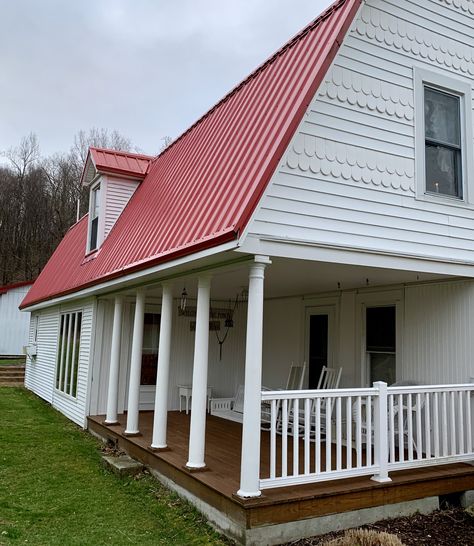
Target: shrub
361	537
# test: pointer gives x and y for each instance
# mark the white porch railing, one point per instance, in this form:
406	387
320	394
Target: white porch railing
332	434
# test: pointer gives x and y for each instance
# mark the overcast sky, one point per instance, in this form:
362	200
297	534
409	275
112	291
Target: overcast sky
147	68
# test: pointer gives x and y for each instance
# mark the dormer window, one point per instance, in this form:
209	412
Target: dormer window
94	217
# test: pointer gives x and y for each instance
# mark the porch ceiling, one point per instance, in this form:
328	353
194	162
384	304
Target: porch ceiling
290	277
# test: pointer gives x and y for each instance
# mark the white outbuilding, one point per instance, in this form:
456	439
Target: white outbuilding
13	323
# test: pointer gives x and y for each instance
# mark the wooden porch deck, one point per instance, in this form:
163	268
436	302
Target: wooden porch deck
218	484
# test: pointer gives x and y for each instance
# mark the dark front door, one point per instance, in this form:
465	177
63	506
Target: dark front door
318	347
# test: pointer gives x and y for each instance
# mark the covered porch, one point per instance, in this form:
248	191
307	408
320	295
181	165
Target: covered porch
319	441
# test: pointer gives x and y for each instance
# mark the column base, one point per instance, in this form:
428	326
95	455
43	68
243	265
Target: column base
132	433
194	469
381	479
158	449
247	494
110	423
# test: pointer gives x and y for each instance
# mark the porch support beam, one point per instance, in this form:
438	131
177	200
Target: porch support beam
197	433
135	366
250	457
112	394
163	368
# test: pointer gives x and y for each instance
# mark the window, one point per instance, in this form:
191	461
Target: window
68	352
381	343
443	154
151	338
94	217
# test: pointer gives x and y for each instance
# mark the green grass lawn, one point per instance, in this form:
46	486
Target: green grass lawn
55	491
12	361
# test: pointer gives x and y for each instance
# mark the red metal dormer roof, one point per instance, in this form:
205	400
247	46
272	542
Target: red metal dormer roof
128	164
202	190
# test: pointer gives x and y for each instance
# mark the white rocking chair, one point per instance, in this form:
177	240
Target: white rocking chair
293	383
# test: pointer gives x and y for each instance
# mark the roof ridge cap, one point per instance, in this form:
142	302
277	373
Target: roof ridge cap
122	152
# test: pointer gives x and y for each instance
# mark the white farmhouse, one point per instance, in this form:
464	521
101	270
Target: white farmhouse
321	213
14	324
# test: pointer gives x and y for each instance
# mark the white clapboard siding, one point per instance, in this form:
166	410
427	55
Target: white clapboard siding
438	326
75	408
40	371
347	177
14	324
117	195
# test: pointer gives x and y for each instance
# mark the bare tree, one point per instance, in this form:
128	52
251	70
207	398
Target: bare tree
23	156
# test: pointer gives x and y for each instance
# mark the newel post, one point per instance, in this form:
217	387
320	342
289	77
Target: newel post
381	433
250	457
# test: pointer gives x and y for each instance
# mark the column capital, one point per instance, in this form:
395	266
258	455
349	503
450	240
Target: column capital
261	259
204	279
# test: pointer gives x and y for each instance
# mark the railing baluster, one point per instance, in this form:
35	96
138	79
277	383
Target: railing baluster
349	432
338	434
427	425
391	428
460	423
359	431
328	434
307	439
444	429
401	431
410	426
296	437
436	424
317	431
453	424
273	422
370	428
470	447
419	443
284	439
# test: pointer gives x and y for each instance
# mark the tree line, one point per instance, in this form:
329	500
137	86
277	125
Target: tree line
41	198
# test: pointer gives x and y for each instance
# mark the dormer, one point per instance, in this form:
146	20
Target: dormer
112	178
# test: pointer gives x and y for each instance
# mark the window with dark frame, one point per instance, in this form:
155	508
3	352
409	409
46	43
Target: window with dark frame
443	148
94	212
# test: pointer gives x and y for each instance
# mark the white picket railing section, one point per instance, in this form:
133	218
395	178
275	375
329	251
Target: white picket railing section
341	433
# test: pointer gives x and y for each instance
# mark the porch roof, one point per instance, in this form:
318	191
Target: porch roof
202	190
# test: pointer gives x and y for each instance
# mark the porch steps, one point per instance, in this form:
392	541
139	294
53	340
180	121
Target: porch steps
123	465
12	376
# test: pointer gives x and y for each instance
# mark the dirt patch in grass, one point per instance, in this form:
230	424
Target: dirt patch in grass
448	527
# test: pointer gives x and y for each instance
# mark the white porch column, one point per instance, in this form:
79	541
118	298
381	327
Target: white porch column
163	368
197	432
135	366
112	394
250	458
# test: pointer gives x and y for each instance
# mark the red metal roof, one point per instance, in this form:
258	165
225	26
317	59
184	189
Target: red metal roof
115	162
202	190
6	287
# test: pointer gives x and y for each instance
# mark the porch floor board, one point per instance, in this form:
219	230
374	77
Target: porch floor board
219	483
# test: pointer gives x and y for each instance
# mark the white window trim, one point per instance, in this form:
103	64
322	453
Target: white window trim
101	181
463	89
59	359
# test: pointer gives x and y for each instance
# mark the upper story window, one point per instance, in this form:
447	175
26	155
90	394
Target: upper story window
443	152
94	217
